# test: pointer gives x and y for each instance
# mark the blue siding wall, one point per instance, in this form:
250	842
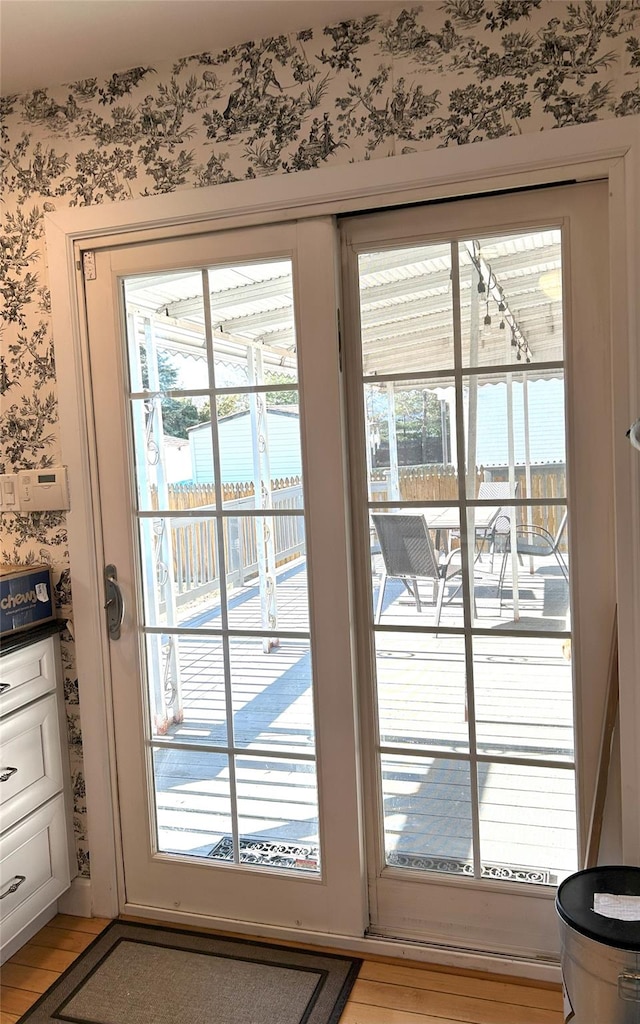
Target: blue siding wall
236	459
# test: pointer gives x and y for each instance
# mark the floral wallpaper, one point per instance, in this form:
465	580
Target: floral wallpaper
425	76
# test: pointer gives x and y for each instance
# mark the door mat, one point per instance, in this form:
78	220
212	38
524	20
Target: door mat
144	974
456	866
273	852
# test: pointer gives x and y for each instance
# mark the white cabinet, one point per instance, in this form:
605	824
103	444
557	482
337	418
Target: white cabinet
35	811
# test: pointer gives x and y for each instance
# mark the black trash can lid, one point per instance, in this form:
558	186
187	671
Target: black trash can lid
574	903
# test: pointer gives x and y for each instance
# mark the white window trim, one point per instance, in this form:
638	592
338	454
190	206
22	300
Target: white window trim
608	149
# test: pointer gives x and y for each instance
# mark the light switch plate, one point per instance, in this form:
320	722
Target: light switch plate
9	493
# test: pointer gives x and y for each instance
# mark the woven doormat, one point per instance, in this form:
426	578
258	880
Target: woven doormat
277	853
143	974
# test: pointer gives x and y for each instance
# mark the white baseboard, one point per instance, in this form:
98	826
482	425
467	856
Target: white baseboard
77	900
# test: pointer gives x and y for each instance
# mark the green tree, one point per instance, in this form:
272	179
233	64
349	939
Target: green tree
178	414
280	397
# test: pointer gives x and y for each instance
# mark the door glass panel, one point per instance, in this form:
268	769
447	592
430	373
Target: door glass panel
527	822
193	801
511	299
248	304
191	671
277	429
412	287
530	590
416	563
523	697
271	698
269	587
518	420
464	437
222	552
427	814
409	440
165	329
421	691
278	813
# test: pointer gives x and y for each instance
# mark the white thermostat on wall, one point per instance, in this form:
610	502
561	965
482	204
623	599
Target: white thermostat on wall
43	490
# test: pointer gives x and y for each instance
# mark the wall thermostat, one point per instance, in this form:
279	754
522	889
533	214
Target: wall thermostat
43	490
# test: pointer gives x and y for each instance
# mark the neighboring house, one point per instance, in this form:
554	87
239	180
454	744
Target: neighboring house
546	424
177	459
236	448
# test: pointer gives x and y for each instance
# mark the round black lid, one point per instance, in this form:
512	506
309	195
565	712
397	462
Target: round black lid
574	903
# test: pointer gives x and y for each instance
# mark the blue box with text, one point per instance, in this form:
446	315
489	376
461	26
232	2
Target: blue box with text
26	597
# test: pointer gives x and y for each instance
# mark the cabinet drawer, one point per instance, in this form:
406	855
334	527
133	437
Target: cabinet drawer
30	759
27	674
34	867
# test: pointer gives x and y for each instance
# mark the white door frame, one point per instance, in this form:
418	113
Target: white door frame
608	149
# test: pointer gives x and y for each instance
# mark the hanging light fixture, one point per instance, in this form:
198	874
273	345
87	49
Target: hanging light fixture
487	317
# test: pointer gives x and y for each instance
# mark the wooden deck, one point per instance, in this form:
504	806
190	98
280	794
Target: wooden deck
523	714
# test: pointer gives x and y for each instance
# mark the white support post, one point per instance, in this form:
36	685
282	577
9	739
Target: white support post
262	484
512	485
472	415
173	711
394	474
527	452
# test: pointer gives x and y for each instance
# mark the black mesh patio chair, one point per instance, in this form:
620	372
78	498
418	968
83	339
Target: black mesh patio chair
494	535
408	554
537	542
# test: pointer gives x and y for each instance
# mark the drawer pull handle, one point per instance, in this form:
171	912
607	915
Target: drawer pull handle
19	879
4	686
6	773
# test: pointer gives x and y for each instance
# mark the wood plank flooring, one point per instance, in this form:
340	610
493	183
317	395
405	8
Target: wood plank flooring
387	991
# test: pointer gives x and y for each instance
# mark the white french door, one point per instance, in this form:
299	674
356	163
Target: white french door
216	402
476	351
478	362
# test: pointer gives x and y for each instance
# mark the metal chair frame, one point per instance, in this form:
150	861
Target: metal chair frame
408	554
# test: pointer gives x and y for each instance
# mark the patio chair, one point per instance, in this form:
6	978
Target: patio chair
496	532
408	554
537	542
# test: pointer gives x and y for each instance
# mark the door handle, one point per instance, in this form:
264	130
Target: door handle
115	602
6	773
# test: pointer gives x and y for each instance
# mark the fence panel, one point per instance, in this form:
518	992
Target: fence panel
194	540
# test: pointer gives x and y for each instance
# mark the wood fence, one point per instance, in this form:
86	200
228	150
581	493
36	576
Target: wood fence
194	540
440	483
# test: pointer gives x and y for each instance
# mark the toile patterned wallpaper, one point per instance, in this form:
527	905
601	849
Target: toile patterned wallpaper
439	74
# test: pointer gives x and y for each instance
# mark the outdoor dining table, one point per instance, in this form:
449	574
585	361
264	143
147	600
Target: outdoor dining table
443	520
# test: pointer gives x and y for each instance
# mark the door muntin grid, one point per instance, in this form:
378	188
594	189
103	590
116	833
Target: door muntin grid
222	553
476	677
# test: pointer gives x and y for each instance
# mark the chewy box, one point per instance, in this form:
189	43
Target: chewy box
25	597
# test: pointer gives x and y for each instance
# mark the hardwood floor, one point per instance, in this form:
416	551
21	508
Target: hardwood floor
387	991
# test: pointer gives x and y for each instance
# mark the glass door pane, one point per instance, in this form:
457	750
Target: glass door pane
461	385
214	414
